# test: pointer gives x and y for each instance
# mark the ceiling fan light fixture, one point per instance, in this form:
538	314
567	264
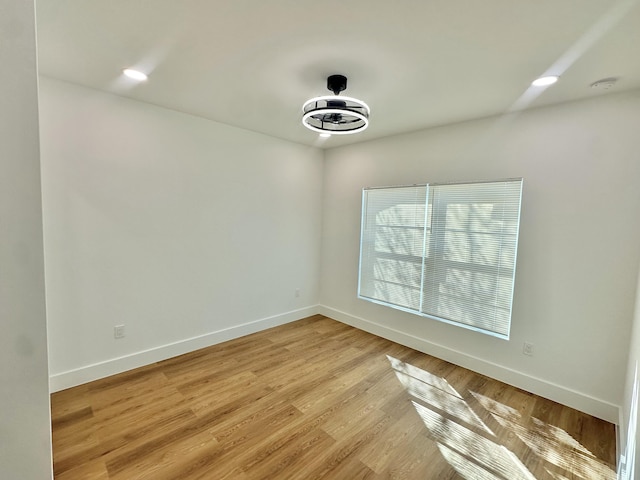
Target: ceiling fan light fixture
335	114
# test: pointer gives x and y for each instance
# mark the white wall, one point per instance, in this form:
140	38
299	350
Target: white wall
25	433
578	251
629	422
191	232
187	231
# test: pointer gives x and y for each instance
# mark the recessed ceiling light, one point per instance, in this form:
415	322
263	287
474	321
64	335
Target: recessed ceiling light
135	74
545	81
325	135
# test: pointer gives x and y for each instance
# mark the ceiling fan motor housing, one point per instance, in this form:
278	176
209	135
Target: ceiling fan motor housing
337	83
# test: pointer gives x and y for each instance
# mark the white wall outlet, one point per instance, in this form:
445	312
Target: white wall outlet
297	292
118	331
527	349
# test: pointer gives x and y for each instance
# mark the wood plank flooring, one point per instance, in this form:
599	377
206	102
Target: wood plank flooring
316	399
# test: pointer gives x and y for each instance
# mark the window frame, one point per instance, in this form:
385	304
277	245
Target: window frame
434	251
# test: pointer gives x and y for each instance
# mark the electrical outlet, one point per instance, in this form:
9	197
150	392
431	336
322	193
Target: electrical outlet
527	349
118	331
297	293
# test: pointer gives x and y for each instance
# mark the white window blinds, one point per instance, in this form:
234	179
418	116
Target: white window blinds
446	251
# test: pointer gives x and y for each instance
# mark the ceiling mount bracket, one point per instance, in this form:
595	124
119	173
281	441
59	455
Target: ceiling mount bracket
337	83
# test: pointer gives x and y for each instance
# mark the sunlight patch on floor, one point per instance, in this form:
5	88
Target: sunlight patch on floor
482	451
544	443
471	447
465	467
422	375
548	441
438	398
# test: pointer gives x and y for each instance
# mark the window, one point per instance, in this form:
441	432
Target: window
445	251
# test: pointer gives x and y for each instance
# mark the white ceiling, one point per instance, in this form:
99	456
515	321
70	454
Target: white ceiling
417	63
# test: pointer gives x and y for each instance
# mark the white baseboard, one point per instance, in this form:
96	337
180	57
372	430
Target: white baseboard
579	401
566	396
88	373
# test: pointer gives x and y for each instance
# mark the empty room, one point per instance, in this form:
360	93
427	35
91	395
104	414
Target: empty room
304	240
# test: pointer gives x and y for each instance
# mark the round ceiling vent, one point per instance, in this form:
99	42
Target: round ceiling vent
335	114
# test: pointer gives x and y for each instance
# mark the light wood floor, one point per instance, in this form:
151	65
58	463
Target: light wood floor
319	399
